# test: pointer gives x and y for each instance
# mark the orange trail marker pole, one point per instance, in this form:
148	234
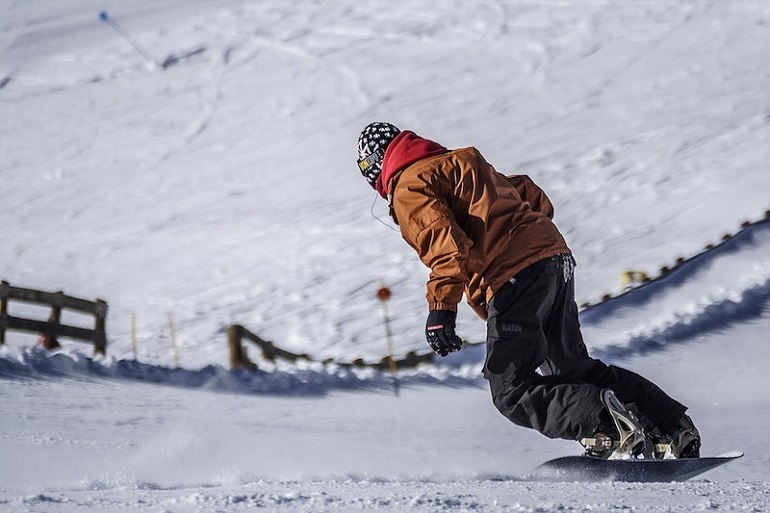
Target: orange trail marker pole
174	346
133	333
383	295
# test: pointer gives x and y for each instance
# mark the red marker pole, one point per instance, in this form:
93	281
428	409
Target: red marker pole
383	295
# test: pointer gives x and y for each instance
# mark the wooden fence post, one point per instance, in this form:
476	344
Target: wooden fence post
4	286
48	339
100	341
174	345
133	333
238	356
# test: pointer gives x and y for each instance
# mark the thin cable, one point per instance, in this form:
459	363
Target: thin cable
377	218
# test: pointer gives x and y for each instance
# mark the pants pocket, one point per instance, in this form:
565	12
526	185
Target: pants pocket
511	359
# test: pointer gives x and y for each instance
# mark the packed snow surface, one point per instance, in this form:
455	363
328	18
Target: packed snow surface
222	188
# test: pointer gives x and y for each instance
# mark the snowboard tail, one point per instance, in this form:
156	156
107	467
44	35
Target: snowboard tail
587	468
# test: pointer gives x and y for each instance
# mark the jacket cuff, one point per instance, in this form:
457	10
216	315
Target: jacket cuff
452	307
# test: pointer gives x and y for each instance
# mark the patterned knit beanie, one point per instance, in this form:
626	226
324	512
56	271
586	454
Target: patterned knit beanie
372	143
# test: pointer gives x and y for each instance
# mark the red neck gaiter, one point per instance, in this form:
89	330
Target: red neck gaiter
406	149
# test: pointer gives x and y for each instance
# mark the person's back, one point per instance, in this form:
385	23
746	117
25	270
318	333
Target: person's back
500	231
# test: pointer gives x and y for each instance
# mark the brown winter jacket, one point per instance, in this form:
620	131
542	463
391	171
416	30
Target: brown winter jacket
473	227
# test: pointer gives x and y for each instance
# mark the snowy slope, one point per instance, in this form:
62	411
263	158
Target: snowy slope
226	186
223	190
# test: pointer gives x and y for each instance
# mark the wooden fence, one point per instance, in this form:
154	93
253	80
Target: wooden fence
239	357
53	328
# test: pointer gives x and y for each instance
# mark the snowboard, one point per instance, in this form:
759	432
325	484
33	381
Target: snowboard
587	468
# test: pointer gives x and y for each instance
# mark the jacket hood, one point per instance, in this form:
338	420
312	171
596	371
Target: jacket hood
406	149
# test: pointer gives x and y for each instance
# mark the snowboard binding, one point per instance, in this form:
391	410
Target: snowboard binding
631	442
684	443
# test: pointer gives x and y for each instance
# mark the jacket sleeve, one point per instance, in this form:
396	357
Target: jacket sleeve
532	194
428	225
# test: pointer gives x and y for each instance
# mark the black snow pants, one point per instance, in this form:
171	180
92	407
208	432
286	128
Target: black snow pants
538	366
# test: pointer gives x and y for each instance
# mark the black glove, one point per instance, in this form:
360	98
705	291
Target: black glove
440	332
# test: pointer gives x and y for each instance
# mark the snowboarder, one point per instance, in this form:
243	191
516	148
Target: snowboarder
492	237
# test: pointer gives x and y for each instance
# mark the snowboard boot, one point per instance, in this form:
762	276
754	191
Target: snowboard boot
620	435
685	442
